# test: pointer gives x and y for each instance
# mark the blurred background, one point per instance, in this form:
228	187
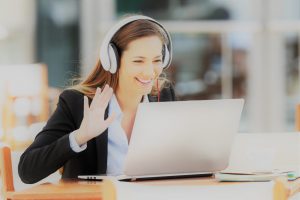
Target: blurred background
222	49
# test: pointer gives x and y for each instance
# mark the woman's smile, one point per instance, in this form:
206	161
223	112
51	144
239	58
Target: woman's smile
144	82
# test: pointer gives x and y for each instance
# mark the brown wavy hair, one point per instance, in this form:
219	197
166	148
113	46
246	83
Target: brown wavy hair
98	77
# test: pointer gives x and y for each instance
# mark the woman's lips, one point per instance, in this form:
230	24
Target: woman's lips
144	82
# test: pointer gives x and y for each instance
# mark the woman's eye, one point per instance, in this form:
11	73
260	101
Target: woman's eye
157	61
137	61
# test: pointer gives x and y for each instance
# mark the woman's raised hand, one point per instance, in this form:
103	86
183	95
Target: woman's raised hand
93	122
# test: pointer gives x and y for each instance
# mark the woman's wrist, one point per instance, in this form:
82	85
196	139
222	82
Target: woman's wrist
79	137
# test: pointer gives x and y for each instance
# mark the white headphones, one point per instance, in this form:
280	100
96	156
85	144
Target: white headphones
109	56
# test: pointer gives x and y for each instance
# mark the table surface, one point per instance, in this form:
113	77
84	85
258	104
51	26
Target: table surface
92	190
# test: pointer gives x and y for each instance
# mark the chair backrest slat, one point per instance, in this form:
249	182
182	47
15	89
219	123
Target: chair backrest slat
6	169
297	118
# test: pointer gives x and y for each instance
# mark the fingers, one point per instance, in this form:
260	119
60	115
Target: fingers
96	96
85	105
104	92
106	96
101	99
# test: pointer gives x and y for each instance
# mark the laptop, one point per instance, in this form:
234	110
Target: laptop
180	138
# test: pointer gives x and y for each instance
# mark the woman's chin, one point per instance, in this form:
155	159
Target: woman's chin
144	91
144	88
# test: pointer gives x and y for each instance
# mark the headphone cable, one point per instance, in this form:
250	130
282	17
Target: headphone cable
158	92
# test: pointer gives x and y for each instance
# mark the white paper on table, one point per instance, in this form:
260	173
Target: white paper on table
245	191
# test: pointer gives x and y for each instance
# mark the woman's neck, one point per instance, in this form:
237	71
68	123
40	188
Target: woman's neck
128	102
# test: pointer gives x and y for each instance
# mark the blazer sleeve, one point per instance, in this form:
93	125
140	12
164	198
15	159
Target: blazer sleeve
51	147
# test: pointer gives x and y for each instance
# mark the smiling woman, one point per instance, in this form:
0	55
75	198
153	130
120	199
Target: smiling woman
126	40
90	130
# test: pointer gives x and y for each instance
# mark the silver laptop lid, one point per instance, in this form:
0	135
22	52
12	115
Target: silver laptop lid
182	137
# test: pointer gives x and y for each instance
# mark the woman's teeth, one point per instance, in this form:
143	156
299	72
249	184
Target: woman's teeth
144	81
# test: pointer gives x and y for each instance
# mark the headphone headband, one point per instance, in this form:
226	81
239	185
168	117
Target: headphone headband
108	53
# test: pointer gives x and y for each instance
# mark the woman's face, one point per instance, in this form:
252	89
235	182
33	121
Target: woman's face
141	63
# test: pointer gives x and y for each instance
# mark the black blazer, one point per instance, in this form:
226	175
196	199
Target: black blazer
51	148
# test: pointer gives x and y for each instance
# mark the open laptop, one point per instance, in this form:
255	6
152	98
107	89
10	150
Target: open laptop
181	138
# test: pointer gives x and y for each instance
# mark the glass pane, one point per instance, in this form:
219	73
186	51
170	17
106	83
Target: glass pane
197	66
285	10
292	79
240	51
240	45
58	39
191	9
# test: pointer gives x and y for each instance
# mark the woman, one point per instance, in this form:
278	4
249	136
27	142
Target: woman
90	130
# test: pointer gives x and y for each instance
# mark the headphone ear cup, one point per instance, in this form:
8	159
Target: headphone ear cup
166	56
113	57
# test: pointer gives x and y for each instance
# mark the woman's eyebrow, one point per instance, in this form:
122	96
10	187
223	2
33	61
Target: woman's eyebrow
138	57
145	57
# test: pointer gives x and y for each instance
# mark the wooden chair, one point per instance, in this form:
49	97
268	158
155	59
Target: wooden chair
297	118
6	173
33	91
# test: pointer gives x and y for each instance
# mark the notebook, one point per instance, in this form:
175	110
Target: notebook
254	176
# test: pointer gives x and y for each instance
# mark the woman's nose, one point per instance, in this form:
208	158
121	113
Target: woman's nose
149	70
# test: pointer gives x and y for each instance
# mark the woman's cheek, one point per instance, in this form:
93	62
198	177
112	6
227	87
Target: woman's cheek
158	71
